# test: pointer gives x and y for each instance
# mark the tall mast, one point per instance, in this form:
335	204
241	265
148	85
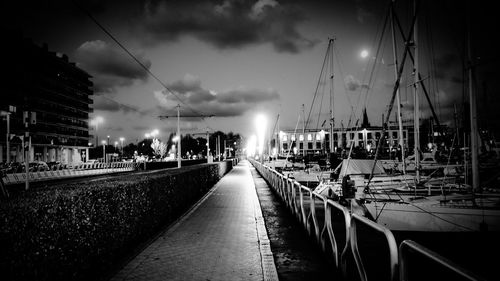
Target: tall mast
303	131
416	125
473	115
332	118
398	98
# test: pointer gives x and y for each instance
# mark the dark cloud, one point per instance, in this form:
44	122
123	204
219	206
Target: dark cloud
107	104
111	67
207	102
229	24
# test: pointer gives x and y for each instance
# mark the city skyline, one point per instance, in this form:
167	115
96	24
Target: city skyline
235	59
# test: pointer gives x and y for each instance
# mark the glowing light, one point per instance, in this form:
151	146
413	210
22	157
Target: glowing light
96	121
251	146
364	54
261	123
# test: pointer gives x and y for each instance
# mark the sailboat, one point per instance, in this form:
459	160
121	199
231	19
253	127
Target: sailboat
471	211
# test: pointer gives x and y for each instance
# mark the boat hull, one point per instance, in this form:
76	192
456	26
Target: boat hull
403	216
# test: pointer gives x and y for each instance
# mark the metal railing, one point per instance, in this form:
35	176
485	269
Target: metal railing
340	239
409	247
85	169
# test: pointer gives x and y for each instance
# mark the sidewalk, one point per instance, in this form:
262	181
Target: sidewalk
222	238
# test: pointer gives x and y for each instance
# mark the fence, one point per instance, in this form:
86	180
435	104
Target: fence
336	229
84	169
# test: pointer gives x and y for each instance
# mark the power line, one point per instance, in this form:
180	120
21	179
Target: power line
132	56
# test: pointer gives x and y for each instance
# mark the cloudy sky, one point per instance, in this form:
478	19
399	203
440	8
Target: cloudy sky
232	60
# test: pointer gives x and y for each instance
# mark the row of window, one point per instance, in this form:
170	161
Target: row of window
336	136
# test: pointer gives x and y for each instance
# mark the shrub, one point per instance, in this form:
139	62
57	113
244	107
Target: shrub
79	230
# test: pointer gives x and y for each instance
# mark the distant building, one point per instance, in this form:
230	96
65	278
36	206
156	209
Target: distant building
313	142
55	93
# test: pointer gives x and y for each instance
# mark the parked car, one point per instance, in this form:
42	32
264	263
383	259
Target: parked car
54	165
38	166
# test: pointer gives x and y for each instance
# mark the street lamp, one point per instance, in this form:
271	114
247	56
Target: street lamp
96	121
104	150
108	140
121	143
260	123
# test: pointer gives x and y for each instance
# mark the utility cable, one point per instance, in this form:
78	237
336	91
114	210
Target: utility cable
134	57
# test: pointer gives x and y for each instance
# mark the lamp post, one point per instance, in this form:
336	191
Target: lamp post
261	124
104	151
96	121
179	153
121	144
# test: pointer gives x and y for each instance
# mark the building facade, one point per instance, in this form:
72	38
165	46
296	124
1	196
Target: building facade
312	142
53	95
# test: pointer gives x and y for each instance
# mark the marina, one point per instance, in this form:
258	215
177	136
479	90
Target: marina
249	140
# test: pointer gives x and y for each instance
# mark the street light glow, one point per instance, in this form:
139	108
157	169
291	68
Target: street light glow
364	54
260	123
251	146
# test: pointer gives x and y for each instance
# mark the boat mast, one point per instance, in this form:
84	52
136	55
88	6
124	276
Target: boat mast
332	118
398	96
416	124
473	116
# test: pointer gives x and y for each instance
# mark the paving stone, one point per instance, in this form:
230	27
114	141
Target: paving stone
220	239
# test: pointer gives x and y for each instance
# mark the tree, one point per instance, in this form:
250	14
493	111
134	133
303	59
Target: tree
159	148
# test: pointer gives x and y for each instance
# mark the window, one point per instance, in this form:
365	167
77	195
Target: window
301	137
360	136
335	137
309	137
301	145
285	138
394	135
309	145
318	137
293	137
377	135
351	136
285	146
369	136
318	145
360	143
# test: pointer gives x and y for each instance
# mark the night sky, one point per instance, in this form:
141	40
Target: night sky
235	59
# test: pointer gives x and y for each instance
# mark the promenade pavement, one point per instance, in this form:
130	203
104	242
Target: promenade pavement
223	237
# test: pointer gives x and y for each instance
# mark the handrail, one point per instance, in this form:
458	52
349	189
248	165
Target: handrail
398	261
391	243
409	246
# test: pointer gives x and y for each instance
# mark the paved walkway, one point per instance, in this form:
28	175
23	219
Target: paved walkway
222	238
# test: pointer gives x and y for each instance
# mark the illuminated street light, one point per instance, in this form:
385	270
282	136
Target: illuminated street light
104	150
147	135
95	122
154	133
251	146
260	123
121	143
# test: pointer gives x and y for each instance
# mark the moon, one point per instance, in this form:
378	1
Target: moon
364	54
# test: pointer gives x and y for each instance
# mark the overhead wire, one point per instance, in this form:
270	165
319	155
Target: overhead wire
105	30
